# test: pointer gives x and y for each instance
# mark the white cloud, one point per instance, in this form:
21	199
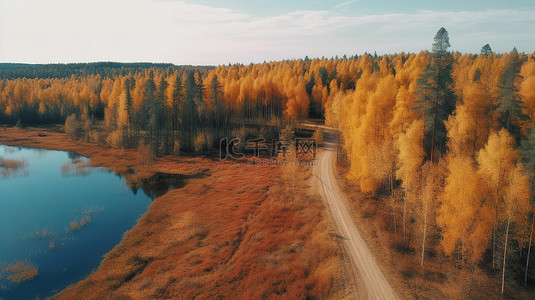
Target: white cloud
185	33
345	4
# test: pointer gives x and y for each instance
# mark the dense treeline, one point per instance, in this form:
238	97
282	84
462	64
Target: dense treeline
186	109
172	110
107	69
454	132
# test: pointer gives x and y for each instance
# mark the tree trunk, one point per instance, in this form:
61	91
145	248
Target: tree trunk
471	283
426	199
395	223
404	217
494	245
529	251
475	140
391	179
433	137
293	184
293	191
494	225
424	232
505	253
462	258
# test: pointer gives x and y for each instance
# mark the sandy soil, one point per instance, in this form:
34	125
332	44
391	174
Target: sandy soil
372	284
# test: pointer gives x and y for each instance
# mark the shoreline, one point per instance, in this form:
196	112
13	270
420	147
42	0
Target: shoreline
115	159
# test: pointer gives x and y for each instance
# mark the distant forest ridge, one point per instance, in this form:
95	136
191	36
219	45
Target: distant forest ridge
109	69
59	70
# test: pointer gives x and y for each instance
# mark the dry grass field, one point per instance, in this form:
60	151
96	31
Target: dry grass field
231	233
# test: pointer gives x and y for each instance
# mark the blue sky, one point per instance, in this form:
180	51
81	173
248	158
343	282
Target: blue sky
203	32
362	7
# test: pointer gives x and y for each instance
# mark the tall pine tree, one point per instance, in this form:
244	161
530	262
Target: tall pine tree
511	106
436	98
149	92
190	117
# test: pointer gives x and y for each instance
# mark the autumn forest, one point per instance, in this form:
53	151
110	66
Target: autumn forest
447	137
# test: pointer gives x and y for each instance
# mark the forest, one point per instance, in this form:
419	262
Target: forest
453	132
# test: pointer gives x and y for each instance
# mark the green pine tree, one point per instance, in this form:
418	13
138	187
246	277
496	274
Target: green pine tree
189	115
436	98
486	50
511	106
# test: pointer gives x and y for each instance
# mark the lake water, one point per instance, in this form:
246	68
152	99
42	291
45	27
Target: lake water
61	216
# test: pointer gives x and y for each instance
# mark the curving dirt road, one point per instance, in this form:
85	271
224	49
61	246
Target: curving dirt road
372	283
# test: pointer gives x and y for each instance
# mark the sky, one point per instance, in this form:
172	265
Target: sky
215	32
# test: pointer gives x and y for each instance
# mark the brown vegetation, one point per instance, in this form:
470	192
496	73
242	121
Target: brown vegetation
74	225
231	234
10	167
11	163
20	271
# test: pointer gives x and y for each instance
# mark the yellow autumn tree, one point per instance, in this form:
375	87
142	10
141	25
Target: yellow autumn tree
368	137
527	87
409	162
464	215
517	206
496	160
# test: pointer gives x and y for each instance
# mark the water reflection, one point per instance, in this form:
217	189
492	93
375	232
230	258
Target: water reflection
39	152
76	167
9	149
156	184
74	155
153	184
13	167
159	184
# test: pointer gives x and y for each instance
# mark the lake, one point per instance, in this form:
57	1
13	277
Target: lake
59	216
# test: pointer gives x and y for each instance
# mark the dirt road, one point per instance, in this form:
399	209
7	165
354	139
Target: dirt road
372	284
